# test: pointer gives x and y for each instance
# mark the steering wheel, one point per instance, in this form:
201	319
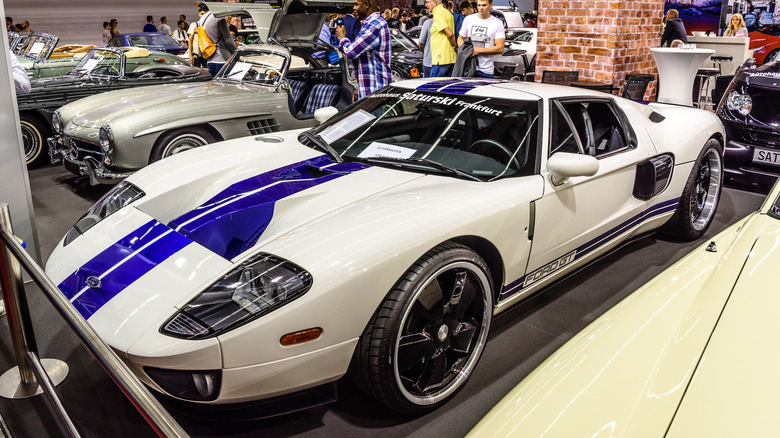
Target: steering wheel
487	143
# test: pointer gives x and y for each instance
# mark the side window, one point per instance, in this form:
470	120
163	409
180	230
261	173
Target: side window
597	126
562	137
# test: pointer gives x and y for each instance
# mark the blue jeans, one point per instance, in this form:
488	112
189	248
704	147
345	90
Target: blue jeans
442	71
214	67
426	72
480	74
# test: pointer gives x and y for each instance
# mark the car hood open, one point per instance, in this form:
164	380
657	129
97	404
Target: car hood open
295	20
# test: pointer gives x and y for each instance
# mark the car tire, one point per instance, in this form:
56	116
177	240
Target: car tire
700	197
423	342
34	134
772	56
180	140
397	75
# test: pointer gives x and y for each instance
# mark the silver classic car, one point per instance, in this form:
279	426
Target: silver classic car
263	88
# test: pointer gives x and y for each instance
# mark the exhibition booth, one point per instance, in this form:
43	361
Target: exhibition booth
250	251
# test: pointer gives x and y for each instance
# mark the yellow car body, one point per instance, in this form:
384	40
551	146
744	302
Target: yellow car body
690	354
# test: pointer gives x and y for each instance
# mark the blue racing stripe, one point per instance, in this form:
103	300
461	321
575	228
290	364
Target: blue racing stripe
457	85
232	221
120	265
656	210
111	256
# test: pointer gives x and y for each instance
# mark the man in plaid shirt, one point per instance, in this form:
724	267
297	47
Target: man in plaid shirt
371	48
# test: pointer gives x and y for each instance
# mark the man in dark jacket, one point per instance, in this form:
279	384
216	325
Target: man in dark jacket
674	30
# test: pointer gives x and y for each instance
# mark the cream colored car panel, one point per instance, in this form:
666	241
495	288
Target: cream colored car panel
734	390
687	352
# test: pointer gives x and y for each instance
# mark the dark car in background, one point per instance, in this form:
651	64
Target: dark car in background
750	112
407	61
148	40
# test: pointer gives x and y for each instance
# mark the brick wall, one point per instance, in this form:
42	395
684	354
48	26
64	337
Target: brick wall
390	4
603	40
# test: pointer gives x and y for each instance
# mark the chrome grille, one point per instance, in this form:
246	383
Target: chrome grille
762	136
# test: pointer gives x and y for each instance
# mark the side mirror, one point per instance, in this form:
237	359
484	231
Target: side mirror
324	113
564	165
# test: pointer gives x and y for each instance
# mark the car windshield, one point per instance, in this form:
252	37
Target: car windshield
402	43
520	36
151	40
99	62
484	138
34	46
258	67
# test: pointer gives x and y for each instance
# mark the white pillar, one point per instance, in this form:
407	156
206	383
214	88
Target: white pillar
14	182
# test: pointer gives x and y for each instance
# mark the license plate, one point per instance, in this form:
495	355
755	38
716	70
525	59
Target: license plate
766	156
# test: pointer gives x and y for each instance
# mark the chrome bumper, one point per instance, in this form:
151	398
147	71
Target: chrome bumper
90	166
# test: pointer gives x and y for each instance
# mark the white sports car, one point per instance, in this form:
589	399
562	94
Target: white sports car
386	238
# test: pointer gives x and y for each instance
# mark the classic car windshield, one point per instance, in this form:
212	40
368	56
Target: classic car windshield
254	66
520	36
100	63
35	46
401	42
483	137
151	40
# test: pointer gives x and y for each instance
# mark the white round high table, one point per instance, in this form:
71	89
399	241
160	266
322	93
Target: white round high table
676	71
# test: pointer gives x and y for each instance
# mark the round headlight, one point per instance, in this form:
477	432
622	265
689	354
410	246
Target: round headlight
106	139
741	103
56	122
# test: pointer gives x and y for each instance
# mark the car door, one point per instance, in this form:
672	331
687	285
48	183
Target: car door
584	216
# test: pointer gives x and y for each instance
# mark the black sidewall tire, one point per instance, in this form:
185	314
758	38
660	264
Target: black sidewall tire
36	132
679	226
161	145
372	367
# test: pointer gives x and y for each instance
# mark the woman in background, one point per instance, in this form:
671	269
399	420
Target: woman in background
737	26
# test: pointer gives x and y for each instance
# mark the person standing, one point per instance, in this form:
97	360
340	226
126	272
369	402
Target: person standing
113	25
737	27
674	29
217	31
150	27
466	8
371	49
106	32
442	39
183	18
180	34
487	35
164	28
21	81
393	21
425	46
196	59
9	23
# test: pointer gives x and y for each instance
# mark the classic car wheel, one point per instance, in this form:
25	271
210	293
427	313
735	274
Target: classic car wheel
34	135
425	339
180	140
397	75
700	197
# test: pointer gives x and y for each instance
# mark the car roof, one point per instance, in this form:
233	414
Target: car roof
497	88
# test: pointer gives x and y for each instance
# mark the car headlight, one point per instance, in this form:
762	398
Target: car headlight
56	122
119	197
256	287
106	139
739	102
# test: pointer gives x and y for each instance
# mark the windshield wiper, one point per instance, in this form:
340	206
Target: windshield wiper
424	162
321	144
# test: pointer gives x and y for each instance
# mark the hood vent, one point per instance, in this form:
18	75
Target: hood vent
263	126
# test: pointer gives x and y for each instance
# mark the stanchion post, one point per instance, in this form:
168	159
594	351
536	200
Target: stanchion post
18	312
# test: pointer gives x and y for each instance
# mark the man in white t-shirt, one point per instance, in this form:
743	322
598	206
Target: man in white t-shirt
487	35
